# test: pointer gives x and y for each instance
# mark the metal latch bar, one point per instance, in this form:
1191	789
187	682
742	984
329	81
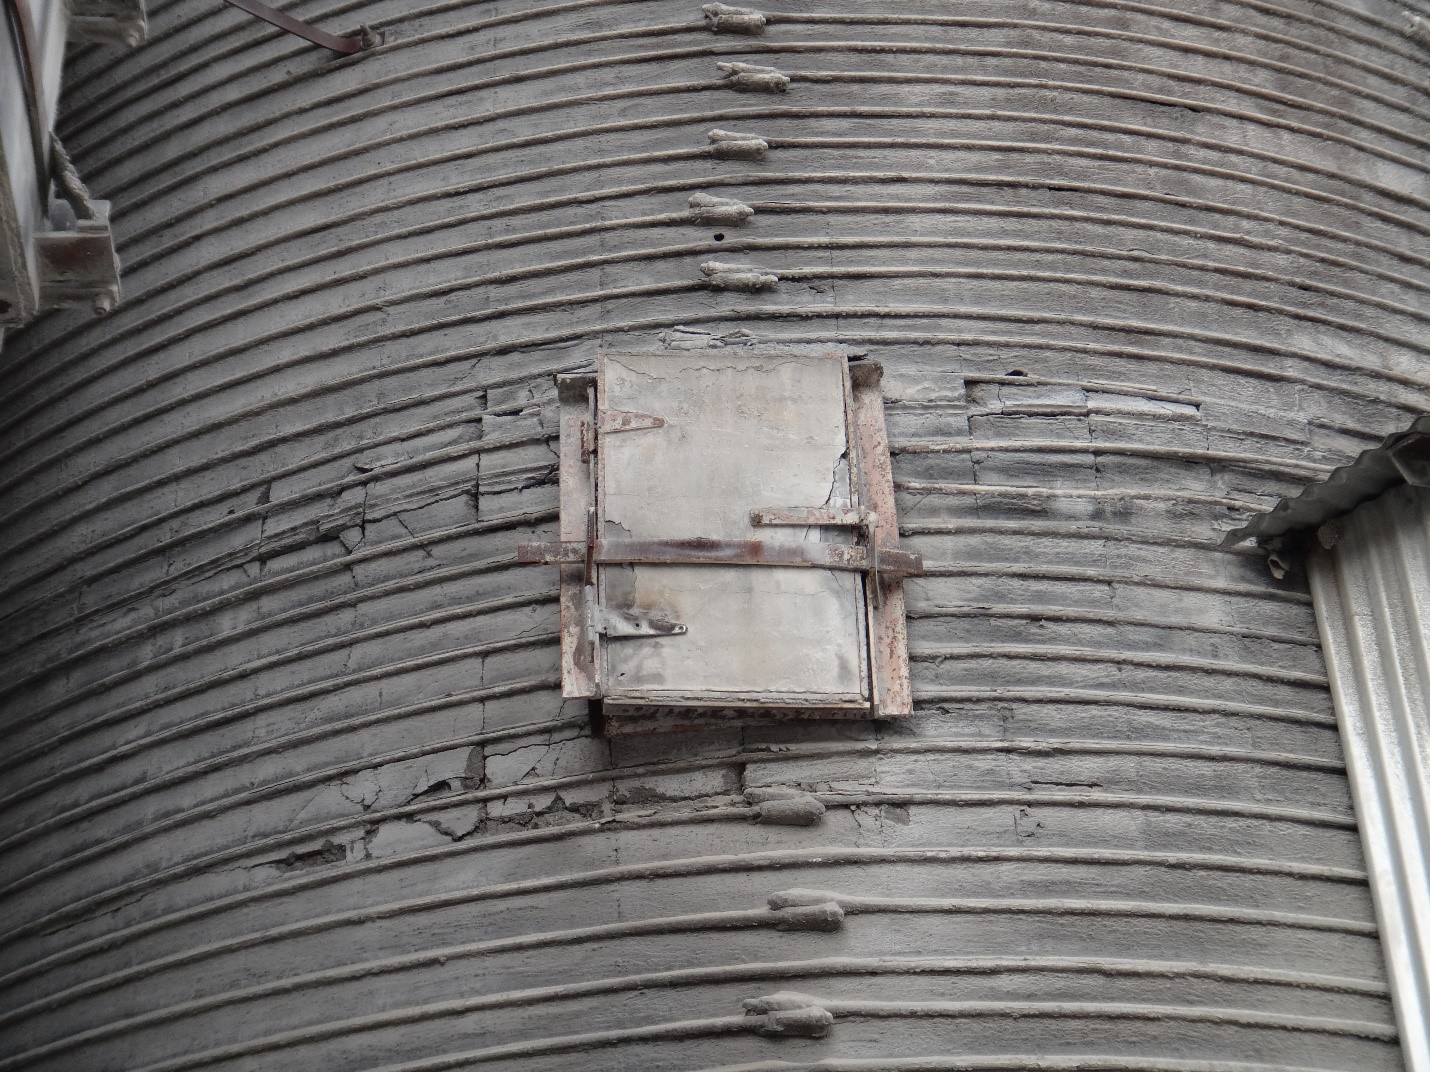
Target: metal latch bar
854	558
814	517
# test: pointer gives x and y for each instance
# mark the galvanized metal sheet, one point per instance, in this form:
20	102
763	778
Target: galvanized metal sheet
741	431
1372	592
1383	466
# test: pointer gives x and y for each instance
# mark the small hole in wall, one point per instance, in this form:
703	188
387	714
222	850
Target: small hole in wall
719	238
1017	372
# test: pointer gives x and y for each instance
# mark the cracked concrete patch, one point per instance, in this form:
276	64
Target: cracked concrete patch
548	759
395	784
457	822
363	788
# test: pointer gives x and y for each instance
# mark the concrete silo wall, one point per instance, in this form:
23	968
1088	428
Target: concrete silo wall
288	783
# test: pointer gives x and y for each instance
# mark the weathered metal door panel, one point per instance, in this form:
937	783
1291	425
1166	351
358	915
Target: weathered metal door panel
733	435
729	546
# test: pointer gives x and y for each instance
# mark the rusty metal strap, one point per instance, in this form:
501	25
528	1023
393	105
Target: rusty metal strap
22	29
854	558
344	46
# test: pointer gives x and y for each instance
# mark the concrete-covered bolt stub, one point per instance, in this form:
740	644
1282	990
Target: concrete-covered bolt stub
790	812
752	78
745	278
730	145
790	1013
708	209
722	18
812	1022
818	917
784	807
801	898
761	793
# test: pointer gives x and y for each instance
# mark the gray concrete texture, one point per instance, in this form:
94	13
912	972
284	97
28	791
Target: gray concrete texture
288	783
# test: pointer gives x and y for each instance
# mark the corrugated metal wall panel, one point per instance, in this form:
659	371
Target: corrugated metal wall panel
288	778
1373	604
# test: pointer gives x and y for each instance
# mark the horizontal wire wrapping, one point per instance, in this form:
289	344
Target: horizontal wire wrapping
1130	272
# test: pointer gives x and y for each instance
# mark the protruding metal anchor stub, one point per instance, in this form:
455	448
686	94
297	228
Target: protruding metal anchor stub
752	78
790	1014
731	145
746	279
718	211
722	18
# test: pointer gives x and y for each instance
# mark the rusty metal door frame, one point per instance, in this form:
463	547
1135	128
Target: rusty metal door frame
875	553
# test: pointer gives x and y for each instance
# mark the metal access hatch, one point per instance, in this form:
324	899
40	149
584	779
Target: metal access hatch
728	544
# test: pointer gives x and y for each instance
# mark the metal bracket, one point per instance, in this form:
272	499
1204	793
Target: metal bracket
1411	456
76	263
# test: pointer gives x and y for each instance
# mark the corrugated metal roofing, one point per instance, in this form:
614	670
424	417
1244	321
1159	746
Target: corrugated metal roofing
1371	474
